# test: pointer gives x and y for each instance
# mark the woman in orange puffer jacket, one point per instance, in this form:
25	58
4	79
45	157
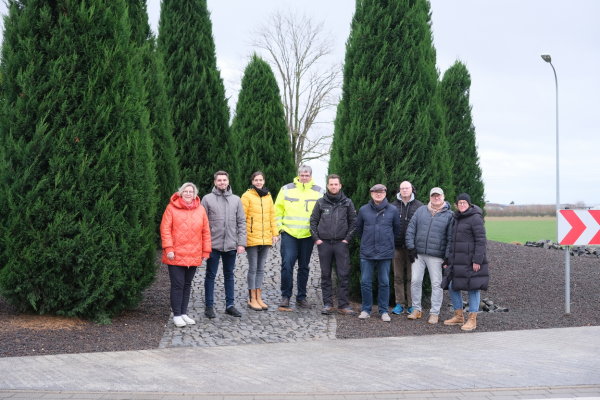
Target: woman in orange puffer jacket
185	237
261	232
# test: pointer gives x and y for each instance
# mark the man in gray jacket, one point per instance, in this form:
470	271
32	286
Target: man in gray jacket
228	236
428	236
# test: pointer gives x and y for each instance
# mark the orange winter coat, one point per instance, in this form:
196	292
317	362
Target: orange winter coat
260	218
184	230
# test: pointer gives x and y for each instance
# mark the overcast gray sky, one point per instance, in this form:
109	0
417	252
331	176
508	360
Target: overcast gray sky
512	92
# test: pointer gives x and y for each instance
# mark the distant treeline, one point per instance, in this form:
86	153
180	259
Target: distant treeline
526	210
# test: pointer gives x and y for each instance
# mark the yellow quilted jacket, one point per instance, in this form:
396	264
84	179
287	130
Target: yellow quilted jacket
260	218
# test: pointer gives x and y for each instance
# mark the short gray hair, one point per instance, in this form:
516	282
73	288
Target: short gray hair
180	191
305	168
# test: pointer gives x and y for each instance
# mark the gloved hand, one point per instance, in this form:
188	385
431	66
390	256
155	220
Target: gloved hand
412	255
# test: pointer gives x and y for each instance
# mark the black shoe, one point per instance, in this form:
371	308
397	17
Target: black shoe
210	312
233	312
302	303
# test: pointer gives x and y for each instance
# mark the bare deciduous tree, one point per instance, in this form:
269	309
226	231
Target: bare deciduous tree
297	49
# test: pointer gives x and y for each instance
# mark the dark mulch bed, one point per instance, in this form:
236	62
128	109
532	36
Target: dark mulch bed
528	281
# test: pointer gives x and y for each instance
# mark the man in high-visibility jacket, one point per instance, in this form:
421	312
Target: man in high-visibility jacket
293	208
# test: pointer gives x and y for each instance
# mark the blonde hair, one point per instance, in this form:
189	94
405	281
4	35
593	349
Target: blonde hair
180	191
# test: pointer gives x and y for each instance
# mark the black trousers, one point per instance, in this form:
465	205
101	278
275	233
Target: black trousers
181	287
329	251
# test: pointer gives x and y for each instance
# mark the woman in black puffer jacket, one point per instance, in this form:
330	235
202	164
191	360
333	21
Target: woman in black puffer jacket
467	262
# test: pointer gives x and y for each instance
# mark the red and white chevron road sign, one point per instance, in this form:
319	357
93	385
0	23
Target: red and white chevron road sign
578	227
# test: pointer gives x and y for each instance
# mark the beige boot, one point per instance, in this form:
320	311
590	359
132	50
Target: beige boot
259	300
252	303
458	318
471	323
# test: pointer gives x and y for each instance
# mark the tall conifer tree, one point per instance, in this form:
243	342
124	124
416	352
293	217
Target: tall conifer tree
161	124
454	90
387	127
198	106
259	133
79	175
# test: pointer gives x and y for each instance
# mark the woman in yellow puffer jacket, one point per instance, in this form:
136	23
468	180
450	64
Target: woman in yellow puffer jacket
262	234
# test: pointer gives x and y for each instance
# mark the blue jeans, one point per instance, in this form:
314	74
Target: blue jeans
293	249
366	284
212	266
457	303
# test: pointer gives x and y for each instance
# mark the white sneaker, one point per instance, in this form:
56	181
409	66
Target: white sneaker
364	315
188	320
179	322
385	317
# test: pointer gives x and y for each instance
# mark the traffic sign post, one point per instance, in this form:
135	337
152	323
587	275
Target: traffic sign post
579	228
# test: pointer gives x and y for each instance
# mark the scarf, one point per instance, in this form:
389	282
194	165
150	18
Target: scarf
261	192
434	210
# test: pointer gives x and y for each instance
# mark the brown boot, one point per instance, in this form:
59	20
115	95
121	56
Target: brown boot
416	314
471	323
259	300
252	303
458	318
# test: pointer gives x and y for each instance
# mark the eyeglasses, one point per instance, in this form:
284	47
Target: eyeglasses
188	192
462	203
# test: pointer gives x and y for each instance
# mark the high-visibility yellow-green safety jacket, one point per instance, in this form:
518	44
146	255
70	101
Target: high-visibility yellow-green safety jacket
294	206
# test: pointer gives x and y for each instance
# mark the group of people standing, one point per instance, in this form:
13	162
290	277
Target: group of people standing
412	236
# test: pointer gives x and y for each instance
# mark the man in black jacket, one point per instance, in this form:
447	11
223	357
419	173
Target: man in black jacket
332	225
407	204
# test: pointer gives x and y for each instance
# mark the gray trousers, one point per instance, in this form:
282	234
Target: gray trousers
434	266
329	251
257	256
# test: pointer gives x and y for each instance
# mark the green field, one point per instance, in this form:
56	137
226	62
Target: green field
520	229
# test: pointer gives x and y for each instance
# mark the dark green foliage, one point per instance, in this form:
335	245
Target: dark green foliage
454	92
259	133
194	87
157	103
77	179
389	126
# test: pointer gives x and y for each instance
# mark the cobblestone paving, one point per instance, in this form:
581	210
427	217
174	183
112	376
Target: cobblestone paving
271	326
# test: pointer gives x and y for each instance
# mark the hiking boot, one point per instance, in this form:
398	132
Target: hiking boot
415	314
209	312
346	311
233	312
326	310
458	318
433	319
302	303
284	304
188	320
385	317
179	322
398	309
364	315
410	309
471	323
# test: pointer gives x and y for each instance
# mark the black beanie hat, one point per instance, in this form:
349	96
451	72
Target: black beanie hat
464	196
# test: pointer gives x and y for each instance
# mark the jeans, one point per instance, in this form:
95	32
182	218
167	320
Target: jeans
457	303
181	287
212	266
434	266
329	251
257	256
366	284
402	277
293	249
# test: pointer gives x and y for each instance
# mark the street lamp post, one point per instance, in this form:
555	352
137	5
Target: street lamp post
548	59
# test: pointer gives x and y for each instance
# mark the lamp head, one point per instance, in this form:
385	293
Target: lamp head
547	58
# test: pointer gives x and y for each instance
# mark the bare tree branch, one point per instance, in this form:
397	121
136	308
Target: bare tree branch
297	48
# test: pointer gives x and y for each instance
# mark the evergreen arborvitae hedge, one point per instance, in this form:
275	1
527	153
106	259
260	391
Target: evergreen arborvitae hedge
77	182
198	106
259	132
157	103
454	91
389	125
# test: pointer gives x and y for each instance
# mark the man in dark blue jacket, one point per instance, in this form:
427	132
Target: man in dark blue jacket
377	225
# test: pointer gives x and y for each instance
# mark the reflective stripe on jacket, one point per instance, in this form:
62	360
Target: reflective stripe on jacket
294	206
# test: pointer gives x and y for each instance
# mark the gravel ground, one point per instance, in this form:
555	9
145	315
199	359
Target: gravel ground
528	281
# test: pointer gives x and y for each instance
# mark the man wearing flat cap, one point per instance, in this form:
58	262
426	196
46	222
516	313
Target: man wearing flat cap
377	225
428	236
